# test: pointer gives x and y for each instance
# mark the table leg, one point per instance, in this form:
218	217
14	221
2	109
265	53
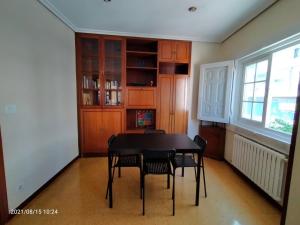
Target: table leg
198	180
110	181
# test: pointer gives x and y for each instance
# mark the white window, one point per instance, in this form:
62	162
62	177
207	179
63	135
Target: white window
267	91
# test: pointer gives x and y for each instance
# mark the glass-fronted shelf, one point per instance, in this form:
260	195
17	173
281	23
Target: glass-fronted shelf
90	71
113	72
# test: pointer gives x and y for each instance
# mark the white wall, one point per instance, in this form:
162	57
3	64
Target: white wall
279	22
37	74
201	53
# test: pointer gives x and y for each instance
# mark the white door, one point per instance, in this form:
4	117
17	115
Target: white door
215	91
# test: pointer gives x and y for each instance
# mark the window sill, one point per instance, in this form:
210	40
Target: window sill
281	145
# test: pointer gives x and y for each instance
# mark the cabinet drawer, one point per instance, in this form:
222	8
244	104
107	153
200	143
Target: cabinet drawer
141	97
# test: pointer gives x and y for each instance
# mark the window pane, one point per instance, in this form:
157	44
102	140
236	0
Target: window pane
250	73
257	111
248	92
261	70
283	87
259	92
246	110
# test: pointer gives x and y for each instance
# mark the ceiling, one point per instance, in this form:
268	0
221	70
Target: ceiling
213	21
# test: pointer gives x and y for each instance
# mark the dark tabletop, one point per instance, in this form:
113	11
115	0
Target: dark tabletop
135	143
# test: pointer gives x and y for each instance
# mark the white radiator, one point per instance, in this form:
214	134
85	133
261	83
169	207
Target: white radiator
262	165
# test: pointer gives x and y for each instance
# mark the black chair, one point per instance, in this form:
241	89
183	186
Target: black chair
188	160
154	131
158	162
121	160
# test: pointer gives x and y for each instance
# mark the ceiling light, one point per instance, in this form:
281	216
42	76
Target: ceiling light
192	9
106	0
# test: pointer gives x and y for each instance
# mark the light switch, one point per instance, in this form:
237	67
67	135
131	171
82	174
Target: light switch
10	109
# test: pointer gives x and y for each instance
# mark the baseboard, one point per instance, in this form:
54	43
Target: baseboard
31	197
255	186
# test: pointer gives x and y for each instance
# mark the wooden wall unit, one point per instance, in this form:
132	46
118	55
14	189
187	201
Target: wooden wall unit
172	103
123	80
97	125
174	51
141	97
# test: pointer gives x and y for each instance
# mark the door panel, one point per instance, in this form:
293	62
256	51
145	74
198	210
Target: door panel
180	101
166	51
182	52
165	103
91	133
112	123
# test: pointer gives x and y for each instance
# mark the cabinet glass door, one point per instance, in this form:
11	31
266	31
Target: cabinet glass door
112	72
90	71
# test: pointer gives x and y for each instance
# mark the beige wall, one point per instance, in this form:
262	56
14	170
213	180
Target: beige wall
201	53
279	22
37	75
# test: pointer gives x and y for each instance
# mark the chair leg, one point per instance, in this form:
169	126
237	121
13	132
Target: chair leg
119	171
113	173
141	184
173	194
202	162
143	194
168	181
182	168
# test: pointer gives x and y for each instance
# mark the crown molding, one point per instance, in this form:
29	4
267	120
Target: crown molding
132	34
58	14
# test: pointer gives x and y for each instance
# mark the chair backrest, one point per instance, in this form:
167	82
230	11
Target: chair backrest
154	131
111	139
201	143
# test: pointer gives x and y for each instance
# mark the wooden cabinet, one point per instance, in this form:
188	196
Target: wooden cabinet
141	98
97	125
172	106
215	136
174	51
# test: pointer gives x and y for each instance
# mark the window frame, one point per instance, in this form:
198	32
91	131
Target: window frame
238	91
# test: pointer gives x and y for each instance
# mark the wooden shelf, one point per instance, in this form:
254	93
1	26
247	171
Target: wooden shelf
90	89
141	53
113	89
141	68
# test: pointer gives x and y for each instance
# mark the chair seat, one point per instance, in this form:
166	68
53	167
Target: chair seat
128	161
157	167
184	161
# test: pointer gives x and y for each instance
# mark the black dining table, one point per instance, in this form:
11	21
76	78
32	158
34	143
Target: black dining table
136	143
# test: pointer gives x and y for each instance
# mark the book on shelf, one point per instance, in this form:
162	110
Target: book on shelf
114	98
91	83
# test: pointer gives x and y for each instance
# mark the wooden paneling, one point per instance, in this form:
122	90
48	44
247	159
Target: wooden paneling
141	97
174	51
215	137
165	102
91	130
97	126
182	52
179	104
3	193
166	50
112	123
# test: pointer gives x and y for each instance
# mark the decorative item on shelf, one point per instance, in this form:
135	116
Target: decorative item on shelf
144	118
87	99
151	83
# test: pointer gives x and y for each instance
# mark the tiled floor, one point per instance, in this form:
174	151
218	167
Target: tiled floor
79	196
